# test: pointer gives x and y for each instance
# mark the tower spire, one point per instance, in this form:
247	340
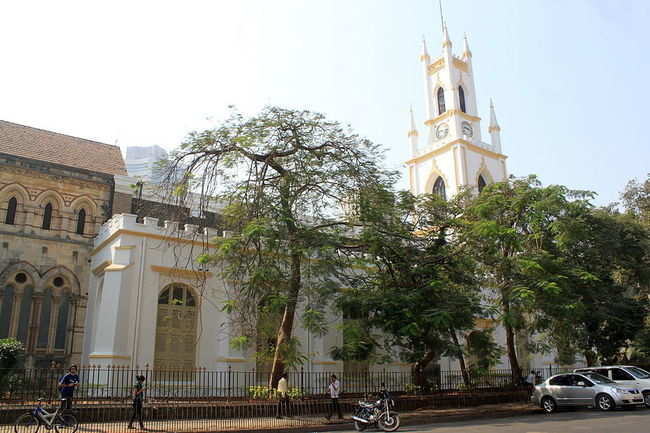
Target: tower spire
413	134
446	42
467	53
494	129
425	52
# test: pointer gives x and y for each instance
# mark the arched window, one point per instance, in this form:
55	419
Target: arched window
11	211
176	328
461	98
47	217
81	221
441	101
481	183
439	188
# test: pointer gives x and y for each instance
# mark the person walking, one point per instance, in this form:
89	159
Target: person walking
67	385
530	382
283	397
334	389
138	398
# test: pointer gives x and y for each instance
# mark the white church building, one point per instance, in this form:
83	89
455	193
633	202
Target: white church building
147	307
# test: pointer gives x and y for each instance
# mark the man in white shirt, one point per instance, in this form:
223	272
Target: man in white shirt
334	389
283	397
530	379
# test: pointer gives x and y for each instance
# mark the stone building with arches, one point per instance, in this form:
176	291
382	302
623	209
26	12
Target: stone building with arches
55	192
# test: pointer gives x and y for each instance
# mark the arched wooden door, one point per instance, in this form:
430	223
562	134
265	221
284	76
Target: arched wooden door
176	329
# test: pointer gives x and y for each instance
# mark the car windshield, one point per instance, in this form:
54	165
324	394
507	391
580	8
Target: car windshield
639	373
598	378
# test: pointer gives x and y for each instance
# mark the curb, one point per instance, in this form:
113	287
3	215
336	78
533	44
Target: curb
413	419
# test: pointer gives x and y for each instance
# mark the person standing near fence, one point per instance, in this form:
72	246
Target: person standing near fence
283	397
67	384
138	398
334	390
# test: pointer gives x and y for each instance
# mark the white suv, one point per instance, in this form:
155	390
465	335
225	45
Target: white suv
633	377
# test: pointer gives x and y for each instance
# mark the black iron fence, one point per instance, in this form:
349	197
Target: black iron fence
203	400
116	383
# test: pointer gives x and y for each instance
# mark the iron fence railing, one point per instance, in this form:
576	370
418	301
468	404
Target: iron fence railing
115	383
202	400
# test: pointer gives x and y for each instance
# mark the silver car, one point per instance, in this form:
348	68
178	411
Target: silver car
584	389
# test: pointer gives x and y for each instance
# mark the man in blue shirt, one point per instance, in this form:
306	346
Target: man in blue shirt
67	385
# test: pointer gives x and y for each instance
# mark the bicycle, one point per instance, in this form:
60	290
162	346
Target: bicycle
32	421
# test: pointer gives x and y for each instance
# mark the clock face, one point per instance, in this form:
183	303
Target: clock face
467	129
442	130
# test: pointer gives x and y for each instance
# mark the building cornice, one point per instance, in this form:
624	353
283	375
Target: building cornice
178	272
448	146
450	113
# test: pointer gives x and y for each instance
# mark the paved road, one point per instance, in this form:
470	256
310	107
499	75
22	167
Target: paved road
581	421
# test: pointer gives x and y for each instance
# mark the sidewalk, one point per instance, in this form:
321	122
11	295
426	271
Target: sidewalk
305	424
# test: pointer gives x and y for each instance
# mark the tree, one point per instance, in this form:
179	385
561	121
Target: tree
11	352
421	290
510	231
636	199
286	177
605	265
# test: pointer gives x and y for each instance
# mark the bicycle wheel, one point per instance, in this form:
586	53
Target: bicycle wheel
26	423
66	423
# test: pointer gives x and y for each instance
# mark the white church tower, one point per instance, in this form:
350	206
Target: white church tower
451	154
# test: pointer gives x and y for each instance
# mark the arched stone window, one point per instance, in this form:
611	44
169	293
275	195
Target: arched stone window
81	221
439	188
61	330
481	183
5	311
44	324
441	101
461	98
176	328
12	206
47	217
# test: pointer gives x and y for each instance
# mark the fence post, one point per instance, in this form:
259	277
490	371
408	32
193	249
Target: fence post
302	382
229	381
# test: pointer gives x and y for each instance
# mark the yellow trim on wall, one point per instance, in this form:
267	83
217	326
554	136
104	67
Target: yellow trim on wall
116	268
446	147
413	133
436	66
449	113
231	360
145	235
124	247
459	64
99	269
107	356
187	273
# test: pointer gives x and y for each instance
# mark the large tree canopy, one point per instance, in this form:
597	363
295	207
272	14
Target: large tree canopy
288	179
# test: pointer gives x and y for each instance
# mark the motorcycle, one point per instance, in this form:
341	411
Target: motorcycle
369	414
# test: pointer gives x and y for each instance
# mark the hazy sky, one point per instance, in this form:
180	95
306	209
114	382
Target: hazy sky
569	78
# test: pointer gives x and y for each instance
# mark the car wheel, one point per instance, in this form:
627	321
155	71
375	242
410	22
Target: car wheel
646	399
549	405
604	402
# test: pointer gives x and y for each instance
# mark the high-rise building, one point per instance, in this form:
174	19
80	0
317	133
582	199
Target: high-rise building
142	162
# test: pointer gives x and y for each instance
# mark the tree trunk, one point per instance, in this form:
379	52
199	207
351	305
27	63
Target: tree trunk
286	326
510	347
461	358
419	377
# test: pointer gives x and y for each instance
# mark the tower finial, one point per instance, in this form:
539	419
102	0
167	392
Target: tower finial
442	17
446	42
413	128
413	135
494	129
467	53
